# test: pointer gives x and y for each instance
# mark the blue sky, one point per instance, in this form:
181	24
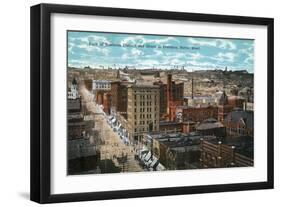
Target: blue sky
117	50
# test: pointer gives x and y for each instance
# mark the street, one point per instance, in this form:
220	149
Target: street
113	148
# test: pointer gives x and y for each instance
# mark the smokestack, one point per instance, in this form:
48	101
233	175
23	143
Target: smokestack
192	92
169	92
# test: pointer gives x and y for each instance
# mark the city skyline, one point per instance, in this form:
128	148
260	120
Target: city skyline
99	49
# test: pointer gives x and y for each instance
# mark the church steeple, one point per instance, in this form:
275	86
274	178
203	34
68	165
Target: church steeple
74	82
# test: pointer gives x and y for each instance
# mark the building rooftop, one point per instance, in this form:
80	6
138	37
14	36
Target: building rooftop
210	123
143	86
245	116
168	122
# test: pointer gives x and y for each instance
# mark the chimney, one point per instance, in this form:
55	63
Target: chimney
192	92
169	92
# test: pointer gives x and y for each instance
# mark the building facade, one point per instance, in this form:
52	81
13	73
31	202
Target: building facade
119	93
171	95
143	110
240	123
196	114
216	155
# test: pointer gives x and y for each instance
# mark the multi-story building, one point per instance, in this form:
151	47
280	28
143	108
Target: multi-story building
119	97
175	150
99	88
101	85
215	154
72	92
171	95
240	123
196	114
107	102
223	107
211	127
143	110
88	84
163	98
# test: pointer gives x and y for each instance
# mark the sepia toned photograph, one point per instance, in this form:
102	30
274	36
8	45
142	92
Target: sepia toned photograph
151	102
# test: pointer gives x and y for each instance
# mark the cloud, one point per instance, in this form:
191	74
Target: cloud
201	42
249	59
136	52
196	56
89	48
222	57
219	43
139	39
158	52
148	62
93	38
226	44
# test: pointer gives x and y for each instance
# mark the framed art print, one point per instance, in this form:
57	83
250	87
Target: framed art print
133	103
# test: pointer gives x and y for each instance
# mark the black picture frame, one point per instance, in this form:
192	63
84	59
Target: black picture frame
41	102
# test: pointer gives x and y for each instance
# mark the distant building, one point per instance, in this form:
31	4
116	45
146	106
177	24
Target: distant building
170	126
247	93
73	90
175	150
236	101
174	97
99	89
143	110
240	123
119	93
104	85
88	84
171	95
196	114
163	98
211	127
200	100
188	126
107	99
73	99
223	107
74	105
215	154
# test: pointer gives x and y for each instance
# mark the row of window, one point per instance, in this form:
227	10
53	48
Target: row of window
144	129
148	103
145	96
142	116
147	122
146	91
102	86
144	109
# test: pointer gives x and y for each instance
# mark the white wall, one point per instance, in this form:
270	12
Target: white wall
14	151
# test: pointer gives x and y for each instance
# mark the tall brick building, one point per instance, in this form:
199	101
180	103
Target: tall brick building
119	97
216	154
143	110
197	114
171	95
223	107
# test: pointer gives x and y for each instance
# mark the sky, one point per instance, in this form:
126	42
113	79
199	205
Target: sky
142	51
